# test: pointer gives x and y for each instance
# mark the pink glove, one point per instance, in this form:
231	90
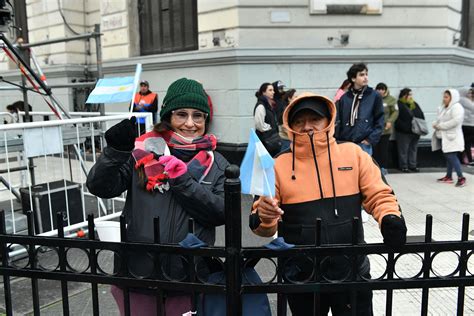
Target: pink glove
174	167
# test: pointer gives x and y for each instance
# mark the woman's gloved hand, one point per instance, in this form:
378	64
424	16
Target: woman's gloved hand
174	167
394	230
122	135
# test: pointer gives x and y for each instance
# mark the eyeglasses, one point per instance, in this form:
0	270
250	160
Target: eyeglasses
182	116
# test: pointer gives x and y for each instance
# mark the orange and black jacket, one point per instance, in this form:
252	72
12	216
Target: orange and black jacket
150	100
319	178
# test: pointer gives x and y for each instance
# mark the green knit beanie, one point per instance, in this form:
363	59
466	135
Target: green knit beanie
185	93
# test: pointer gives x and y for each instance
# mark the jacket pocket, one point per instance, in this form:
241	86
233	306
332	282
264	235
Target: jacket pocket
451	135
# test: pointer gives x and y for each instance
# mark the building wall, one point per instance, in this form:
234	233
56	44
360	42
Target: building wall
243	23
255	23
420	56
231	76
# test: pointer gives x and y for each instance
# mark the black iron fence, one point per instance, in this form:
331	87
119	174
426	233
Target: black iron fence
234	259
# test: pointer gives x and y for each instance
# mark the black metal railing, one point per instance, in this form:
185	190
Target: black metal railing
236	259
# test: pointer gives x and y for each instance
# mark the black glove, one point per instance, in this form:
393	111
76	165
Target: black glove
394	231
122	136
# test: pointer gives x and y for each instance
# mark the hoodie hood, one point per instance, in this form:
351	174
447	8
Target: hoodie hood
454	97
320	138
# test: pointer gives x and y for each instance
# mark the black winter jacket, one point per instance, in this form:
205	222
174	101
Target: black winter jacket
405	116
114	173
370	121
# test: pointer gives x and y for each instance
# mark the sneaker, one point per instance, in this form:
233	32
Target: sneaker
445	179
461	182
415	170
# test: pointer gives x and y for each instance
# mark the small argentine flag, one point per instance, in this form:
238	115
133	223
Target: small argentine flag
115	90
256	171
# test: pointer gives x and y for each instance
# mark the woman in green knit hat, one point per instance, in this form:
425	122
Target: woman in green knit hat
407	141
171	172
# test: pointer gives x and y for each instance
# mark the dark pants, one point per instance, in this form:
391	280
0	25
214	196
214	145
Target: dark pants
407	145
339	303
468	132
381	151
453	163
143	304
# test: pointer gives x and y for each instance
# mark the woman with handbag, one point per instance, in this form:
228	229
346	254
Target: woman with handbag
448	135
265	118
172	172
407	140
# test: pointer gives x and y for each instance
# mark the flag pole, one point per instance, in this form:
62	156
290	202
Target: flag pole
136	80
267	184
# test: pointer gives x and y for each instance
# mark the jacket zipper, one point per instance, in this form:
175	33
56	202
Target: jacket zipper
317	171
310	134
168	259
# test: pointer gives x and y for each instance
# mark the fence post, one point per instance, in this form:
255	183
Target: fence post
463	264
62	263
233	241
317	268
6	277
124	264
354	266
159	292
33	261
426	264
93	265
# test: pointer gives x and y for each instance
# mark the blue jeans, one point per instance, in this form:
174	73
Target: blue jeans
453	162
366	148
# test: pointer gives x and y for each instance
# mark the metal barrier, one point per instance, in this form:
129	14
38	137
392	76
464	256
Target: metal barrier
41	170
236	259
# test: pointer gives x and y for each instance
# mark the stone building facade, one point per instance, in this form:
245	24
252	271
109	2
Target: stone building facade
308	44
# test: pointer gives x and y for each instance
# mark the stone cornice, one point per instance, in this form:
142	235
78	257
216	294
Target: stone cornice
240	56
236	56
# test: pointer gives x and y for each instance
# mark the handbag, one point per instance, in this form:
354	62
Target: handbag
419	126
271	140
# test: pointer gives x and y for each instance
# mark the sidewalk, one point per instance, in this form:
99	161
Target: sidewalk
419	195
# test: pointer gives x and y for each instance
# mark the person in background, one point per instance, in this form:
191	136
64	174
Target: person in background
145	101
280	103
13	116
320	178
407	141
346	84
390	111
448	135
266	120
360	111
20	105
289	96
467	102
172	172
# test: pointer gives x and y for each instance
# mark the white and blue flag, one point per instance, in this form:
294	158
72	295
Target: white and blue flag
256	171
115	90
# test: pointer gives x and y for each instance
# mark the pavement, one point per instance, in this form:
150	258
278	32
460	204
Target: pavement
418	194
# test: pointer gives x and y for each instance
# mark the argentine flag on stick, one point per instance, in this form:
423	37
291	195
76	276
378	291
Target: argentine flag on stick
256	172
115	90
